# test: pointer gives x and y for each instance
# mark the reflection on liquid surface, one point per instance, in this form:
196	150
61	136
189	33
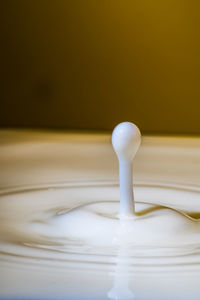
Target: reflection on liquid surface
66	241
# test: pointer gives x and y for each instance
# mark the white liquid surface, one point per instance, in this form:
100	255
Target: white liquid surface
65	241
71	236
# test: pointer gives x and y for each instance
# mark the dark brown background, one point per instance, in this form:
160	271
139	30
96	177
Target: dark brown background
89	64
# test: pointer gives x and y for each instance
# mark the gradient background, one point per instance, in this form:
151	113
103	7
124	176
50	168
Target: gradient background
89	64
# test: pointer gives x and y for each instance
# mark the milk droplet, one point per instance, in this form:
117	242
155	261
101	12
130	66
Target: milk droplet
126	139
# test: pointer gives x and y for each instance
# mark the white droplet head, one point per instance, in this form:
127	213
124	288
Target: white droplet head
126	139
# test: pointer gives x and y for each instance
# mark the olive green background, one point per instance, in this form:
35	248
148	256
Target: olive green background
89	64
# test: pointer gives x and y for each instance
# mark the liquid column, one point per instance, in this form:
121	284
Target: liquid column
126	139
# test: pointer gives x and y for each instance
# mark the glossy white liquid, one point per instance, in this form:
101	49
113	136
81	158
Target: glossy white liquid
126	139
67	242
48	238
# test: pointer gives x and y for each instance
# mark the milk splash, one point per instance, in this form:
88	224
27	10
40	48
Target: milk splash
81	240
126	139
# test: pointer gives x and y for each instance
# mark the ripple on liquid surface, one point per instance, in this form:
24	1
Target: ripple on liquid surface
72	237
